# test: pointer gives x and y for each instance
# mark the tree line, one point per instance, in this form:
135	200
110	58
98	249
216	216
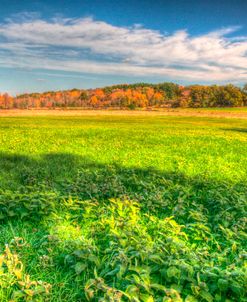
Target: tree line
140	95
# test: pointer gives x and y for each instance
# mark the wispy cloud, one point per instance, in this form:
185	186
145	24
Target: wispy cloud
96	47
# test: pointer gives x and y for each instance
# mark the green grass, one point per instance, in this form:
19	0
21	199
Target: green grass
123	208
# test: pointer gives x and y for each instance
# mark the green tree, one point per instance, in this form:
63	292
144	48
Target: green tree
83	97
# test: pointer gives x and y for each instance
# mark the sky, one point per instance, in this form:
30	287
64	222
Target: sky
57	44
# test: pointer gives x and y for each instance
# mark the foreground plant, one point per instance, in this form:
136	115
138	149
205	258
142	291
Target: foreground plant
15	285
133	256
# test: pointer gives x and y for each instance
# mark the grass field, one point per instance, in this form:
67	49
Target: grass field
123	207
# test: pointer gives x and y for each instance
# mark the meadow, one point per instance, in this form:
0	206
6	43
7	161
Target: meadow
130	207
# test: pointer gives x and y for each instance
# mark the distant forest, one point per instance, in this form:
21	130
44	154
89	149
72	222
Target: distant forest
140	95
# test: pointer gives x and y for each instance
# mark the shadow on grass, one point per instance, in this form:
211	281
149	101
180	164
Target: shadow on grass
48	180
242	130
32	188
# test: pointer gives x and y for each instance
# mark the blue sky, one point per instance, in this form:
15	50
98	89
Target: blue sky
51	45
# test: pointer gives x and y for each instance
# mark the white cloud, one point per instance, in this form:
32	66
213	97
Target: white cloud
89	46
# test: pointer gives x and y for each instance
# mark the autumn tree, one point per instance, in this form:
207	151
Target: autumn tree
6	101
94	102
141	95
